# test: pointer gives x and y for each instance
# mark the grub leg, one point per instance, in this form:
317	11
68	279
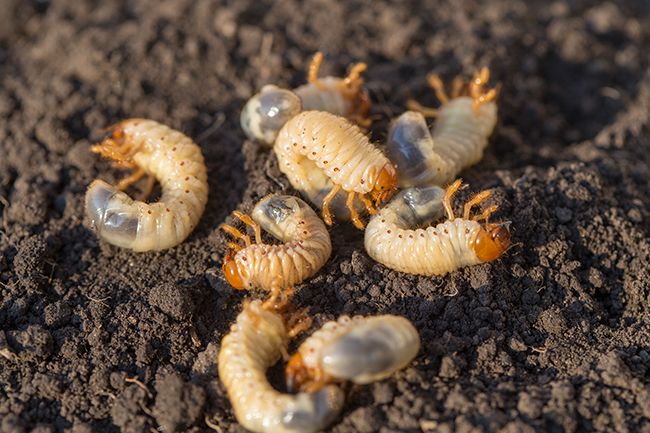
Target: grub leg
246	219
314	67
299	322
354	215
327	215
475	201
485	215
236	233
449	194
131	179
436	84
368	204
457	87
414	105
148	188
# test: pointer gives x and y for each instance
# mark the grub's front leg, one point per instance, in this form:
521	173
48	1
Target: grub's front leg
314	67
477	89
475	201
246	219
327	215
236	233
354	216
449	195
368	204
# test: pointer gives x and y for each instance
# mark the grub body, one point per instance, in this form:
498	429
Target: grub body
305	247
317	150
257	341
359	349
177	163
394	239
457	140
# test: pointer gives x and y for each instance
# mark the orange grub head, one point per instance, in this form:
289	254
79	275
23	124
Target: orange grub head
231	271
296	373
385	185
492	242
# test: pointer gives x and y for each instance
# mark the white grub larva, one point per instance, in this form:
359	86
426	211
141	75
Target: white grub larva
344	97
267	111
458	138
256	341
358	349
159	152
320	151
305	249
392	240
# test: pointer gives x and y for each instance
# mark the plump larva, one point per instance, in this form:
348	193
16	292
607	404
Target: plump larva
320	151
160	152
305	249
267	111
257	341
358	349
457	140
392	240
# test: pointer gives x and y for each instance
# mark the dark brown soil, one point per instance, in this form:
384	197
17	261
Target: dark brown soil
554	337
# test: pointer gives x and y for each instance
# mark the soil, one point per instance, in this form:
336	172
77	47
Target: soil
553	337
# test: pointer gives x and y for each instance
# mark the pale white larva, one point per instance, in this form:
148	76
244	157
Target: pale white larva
160	152
257	341
457	140
319	151
305	249
358	349
392	238
267	111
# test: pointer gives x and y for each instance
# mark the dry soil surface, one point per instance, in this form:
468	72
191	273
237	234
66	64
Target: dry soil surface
554	337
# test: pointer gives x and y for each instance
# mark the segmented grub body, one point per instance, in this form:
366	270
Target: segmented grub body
457	140
357	349
319	151
175	161
255	342
305	249
325	97
394	239
267	111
